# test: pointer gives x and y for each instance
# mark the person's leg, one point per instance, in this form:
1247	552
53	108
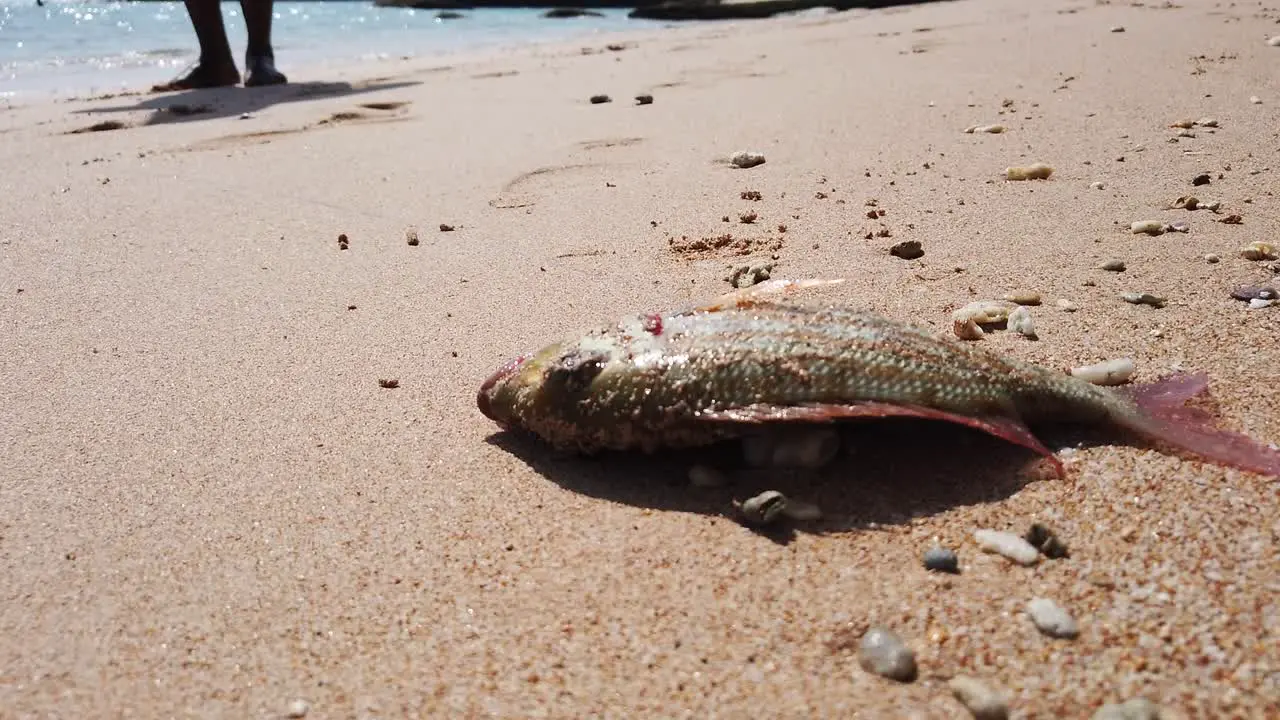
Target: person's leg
259	59
216	67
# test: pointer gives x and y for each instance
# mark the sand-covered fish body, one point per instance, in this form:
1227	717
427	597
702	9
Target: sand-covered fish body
696	376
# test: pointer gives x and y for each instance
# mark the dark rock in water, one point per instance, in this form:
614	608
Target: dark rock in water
570	12
751	9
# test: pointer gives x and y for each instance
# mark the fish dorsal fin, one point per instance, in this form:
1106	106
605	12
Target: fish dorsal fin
760	294
1008	429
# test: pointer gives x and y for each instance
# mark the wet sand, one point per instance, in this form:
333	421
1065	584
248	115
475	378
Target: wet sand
210	507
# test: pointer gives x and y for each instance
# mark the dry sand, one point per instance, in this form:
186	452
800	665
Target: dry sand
209	507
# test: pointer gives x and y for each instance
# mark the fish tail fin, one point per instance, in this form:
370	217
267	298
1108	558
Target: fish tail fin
1162	416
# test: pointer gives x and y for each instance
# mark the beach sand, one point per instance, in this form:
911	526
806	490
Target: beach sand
210	508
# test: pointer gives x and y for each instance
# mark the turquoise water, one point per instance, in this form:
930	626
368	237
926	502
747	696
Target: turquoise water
72	47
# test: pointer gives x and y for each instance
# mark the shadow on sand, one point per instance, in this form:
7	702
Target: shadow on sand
890	472
214	103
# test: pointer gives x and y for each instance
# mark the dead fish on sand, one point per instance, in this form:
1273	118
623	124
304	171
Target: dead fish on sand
748	360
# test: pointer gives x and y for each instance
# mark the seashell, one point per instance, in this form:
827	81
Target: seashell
1035	171
992	129
763	509
1207	122
1137	298
1183	124
985	312
1258	251
1111	372
967	329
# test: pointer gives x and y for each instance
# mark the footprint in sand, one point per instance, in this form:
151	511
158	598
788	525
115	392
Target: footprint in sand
526	189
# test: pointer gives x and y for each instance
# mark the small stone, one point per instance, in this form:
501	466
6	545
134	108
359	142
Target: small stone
1096	185
992	129
1274	41
1111	372
600	99
1212	259
445	227
389	384
1186	133
1020	322
983	702
1008	545
1114	266
1135	709
763	509
298	708
705	476
1066	305
411	236
1256	251
1147	227
1208	122
940	559
1259	303
1254	292
1035	171
883	653
1117	28
907	250
744	159
1023	298
1201	179
1047	541
1051	619
1255	99
1144	298
644	99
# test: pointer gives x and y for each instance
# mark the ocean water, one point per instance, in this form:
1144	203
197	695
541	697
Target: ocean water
76	47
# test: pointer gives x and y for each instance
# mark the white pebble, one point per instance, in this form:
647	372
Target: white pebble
1211	258
1021	323
982	701
1066	305
1097	185
744	159
1117	28
298	708
1255	99
882	652
1274	42
1051	619
1149	227
1259	303
1111	372
1035	171
706	476
1007	544
1207	122
992	129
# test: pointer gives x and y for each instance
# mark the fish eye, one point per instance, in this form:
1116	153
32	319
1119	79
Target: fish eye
574	370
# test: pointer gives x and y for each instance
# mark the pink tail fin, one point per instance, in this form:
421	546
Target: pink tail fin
1164	418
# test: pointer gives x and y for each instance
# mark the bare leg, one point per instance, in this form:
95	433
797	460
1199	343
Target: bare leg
259	59
216	67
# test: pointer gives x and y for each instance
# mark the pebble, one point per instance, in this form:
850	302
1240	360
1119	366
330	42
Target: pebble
883	653
411	236
1255	292
1258	251
1211	258
1274	41
1023	298
745	159
705	476
1135	709
1111	372
907	250
982	702
1035	171
1149	227
1114	266
1207	122
1136	298
1201	179
1066	305
1051	619
992	129
599	99
1255	99
763	509
1259	303
940	559
298	708
1097	185
1020	322
1008	545
644	99
1117	28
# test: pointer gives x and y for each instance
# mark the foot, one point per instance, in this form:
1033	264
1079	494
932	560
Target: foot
205	75
261	70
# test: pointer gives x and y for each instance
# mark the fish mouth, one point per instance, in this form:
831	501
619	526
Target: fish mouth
484	398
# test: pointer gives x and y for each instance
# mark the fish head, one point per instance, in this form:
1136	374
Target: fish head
546	390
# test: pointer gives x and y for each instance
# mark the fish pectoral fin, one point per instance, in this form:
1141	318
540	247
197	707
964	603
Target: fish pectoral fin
760	293
1006	429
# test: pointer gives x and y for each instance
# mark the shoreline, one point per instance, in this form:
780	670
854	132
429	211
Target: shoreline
214	502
